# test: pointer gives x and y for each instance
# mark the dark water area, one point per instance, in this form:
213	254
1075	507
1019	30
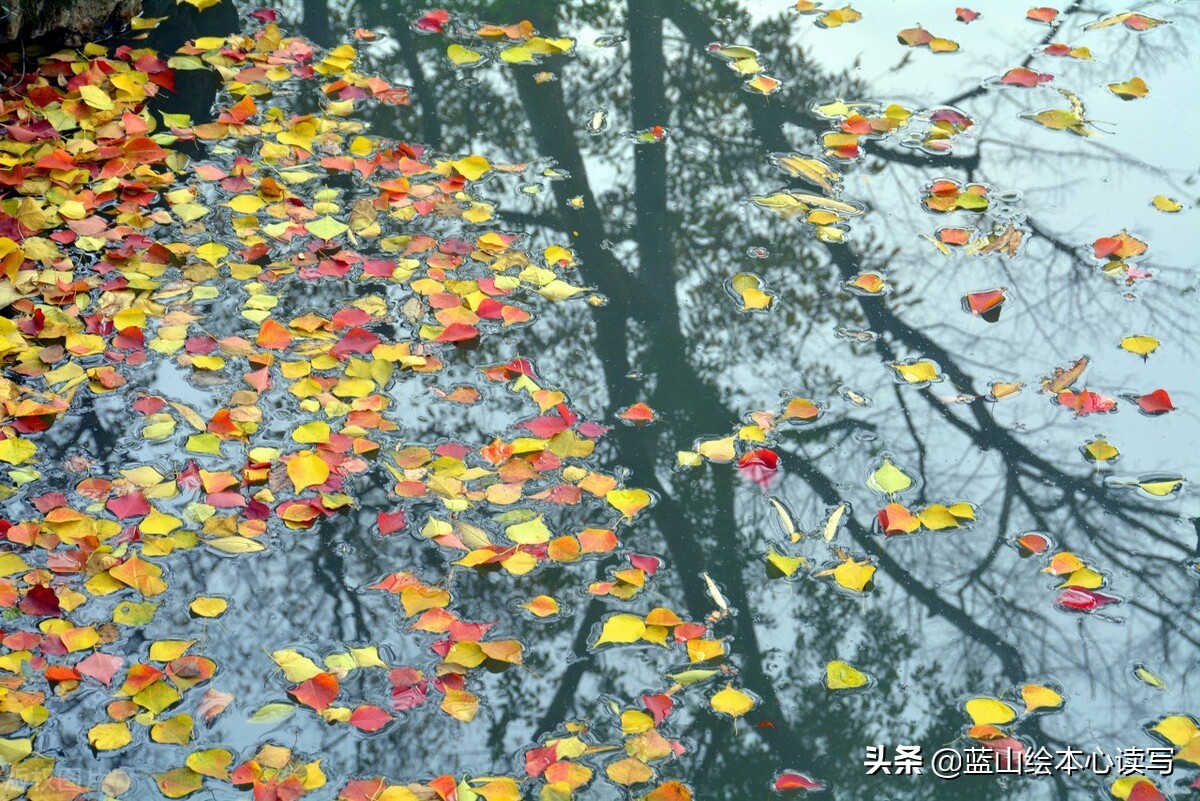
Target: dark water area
889	327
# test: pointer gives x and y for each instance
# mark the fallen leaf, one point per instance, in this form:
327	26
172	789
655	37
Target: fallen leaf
1129	90
732	701
843	676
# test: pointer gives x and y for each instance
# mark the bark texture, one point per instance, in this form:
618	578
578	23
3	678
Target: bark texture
65	21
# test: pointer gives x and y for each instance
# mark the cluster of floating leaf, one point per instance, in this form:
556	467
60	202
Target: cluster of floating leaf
934	131
993	720
108	238
828	17
746	62
826	213
474	44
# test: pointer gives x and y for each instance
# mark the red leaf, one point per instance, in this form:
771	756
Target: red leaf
213	703
1034	543
433	21
986	304
1081	600
1106	246
966	15
1042	14
915	37
637	413
391	522
759	466
132	505
545	427
369	718
659	706
795	781
318	692
458	332
1022	76
40	601
1155	403
1146	791
647	563
101	667
1086	402
144	150
409	696
1006	749
356	340
265	14
538	759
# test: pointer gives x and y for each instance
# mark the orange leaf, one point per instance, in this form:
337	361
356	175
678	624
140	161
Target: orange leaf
273	335
318	692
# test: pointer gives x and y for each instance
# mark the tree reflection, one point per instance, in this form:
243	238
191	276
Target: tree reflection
659	231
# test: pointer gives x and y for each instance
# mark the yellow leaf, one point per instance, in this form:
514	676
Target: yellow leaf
1085	578
635	721
1177	729
235	545
246	204
531	532
842	676
1162	488
295	666
851	574
731	701
621	628
212	762
208	607
169	650
1147	676
15	450
1038	696
212	252
11	563
889	479
990	712
326	227
628	501
629	771
315	432
748	287
460	704
306	469
175	731
96	97
517	54
472	167
1164	203
918	372
200	4
1140	345
1129	90
717	450
462	56
840	16
1058	119
1190	752
1100	450
109	736
787	565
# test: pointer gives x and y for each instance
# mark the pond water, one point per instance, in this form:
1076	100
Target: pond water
918	366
